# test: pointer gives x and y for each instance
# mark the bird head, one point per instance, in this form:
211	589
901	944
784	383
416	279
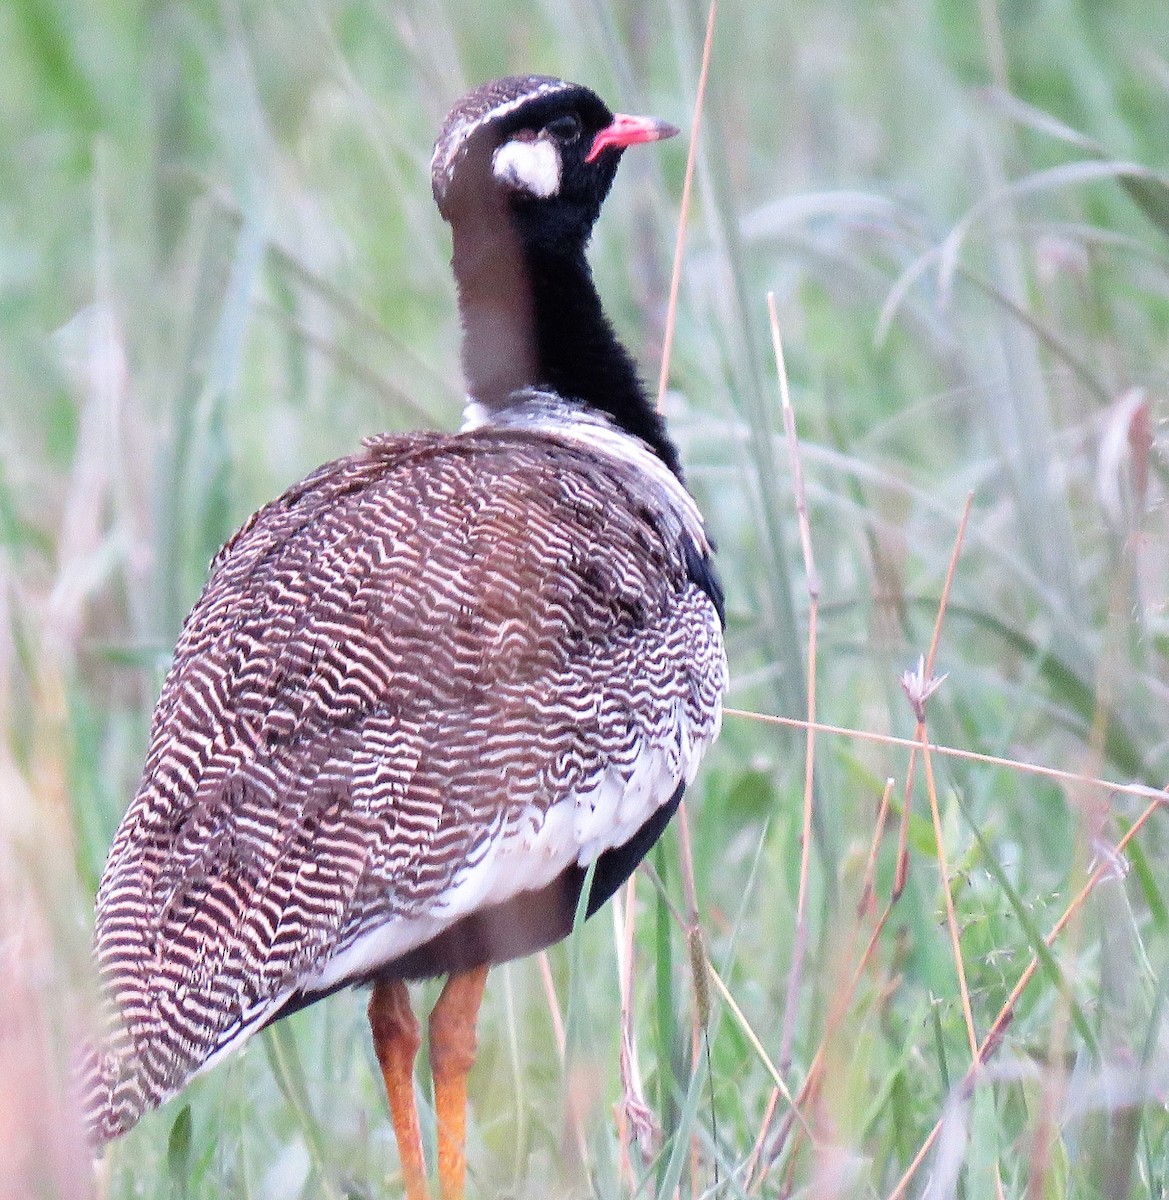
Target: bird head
547	148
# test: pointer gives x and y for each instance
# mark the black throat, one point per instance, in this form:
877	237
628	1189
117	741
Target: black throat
532	318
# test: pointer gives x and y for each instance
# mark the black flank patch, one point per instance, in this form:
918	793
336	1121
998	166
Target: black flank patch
700	570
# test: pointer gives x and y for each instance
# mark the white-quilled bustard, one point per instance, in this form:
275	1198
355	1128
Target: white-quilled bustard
429	686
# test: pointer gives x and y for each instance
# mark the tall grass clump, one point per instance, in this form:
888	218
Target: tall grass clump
928	955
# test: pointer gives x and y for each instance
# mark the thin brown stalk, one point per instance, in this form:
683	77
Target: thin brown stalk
751	1036
866	898
685	853
553	1006
927	674
1006	1014
795	975
576	1125
951	570
684	210
755	1174
793	446
902	874
752	1174
1140	790
686	863
634	1117
811	1082
948	892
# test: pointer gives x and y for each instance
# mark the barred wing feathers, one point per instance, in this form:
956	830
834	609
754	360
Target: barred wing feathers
431	676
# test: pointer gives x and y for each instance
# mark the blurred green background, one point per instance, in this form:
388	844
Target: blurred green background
220	265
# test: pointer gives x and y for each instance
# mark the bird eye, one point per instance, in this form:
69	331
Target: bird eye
565	129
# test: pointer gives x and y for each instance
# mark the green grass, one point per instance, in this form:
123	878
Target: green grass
220	265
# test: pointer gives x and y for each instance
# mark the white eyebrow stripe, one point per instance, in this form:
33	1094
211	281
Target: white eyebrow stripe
457	137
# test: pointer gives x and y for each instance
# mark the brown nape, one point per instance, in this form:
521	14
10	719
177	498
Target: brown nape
495	304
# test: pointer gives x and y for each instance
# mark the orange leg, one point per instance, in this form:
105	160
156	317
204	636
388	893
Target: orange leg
452	1052
395	1040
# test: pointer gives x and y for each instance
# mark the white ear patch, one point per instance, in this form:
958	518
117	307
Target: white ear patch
529	166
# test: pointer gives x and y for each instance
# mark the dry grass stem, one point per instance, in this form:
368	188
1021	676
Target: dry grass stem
690	891
762	1153
685	851
635	1118
684	208
1005	1014
1141	791
756	1045
926	672
793	446
576	1128
948	893
865	903
919	687
795	974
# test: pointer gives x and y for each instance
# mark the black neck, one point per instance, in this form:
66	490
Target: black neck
579	354
532	318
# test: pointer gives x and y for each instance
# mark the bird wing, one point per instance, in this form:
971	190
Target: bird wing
428	677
